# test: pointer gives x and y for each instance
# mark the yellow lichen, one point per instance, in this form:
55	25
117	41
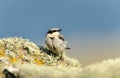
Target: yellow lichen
13	60
38	61
20	56
2	52
1	75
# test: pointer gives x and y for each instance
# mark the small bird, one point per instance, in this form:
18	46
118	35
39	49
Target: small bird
56	42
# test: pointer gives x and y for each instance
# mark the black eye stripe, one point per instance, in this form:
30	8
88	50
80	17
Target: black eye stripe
52	31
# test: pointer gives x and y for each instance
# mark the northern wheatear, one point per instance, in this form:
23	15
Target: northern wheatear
56	42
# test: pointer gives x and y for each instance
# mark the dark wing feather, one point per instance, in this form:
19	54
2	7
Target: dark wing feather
61	37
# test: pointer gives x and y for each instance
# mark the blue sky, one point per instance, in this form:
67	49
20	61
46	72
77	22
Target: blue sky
92	25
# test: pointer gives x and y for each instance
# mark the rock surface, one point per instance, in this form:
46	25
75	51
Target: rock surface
14	50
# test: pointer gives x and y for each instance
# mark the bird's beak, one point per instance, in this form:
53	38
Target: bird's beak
60	30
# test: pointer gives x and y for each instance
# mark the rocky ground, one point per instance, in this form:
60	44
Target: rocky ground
20	58
18	51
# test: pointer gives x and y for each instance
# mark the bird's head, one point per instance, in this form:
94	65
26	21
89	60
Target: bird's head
54	32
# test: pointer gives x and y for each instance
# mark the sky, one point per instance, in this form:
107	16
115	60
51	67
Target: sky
91	27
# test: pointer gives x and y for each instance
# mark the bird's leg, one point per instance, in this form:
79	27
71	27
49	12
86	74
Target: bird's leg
61	56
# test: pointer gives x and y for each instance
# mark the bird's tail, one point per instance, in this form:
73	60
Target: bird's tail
68	48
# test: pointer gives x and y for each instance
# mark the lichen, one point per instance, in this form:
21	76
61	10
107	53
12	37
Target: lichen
15	50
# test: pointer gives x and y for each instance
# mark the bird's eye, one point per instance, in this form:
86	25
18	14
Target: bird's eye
54	31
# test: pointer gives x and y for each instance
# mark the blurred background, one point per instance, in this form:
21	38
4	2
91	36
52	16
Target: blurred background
91	27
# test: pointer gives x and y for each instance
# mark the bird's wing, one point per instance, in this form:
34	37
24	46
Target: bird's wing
56	42
64	43
59	44
61	37
48	42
